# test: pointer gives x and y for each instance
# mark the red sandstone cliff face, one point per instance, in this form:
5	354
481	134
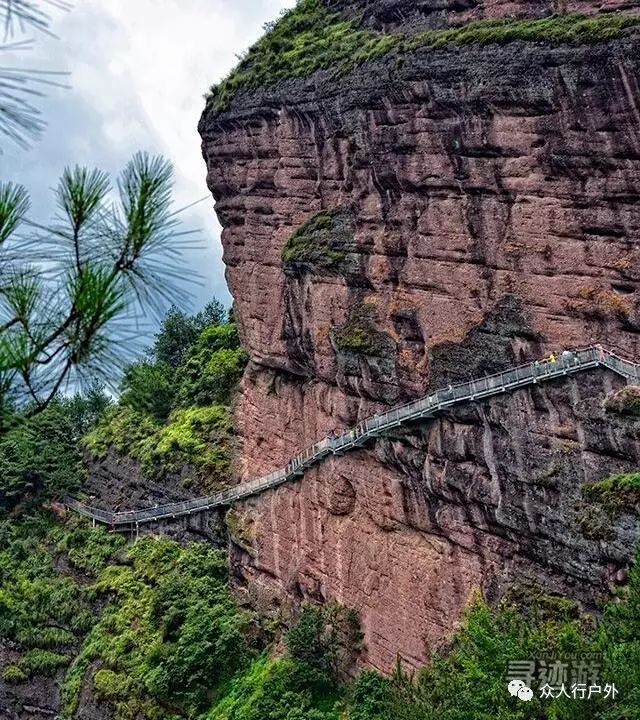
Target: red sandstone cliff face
406	530
491	205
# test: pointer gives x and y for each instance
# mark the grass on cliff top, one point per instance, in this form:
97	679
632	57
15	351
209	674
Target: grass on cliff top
310	37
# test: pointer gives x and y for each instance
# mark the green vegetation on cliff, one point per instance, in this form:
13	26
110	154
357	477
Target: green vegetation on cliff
195	436
40	455
152	631
304	40
168	637
310	37
43	610
311	243
604	501
616	494
625	402
174	407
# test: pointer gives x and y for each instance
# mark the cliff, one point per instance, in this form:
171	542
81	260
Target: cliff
447	205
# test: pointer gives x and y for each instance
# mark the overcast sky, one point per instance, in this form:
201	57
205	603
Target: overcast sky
139	71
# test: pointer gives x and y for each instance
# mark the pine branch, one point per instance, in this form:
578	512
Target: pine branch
108	265
21	121
22	15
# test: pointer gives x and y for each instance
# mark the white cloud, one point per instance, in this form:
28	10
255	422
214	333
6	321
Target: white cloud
139	71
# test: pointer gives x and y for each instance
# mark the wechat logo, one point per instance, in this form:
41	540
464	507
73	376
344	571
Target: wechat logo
518	689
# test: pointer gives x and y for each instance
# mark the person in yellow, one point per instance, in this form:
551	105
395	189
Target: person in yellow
552	357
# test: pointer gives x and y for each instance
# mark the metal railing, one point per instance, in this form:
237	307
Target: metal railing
520	376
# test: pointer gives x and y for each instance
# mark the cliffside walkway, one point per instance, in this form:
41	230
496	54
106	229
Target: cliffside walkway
517	377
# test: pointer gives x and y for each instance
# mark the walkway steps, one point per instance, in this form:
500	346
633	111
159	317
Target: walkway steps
522	376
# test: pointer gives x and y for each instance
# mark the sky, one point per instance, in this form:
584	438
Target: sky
139	70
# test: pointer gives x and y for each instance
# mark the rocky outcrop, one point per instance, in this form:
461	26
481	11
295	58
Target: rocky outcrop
117	482
37	699
491	194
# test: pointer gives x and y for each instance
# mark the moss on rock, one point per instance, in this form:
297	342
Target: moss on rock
240	527
359	333
320	245
531	601
604	501
617	494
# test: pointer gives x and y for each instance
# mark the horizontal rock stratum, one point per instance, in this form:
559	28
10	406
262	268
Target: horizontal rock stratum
430	210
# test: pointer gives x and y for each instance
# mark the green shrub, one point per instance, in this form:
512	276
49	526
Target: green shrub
197	430
168	635
213	368
87	549
469	680
44	637
275	690
197	436
179	332
43	662
369	698
530	601
14	674
43	610
604	501
594	523
123	429
327	639
110	686
194	436
150	389
616	639
40	457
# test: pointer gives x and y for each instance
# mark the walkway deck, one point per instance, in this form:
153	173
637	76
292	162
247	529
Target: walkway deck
376	425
